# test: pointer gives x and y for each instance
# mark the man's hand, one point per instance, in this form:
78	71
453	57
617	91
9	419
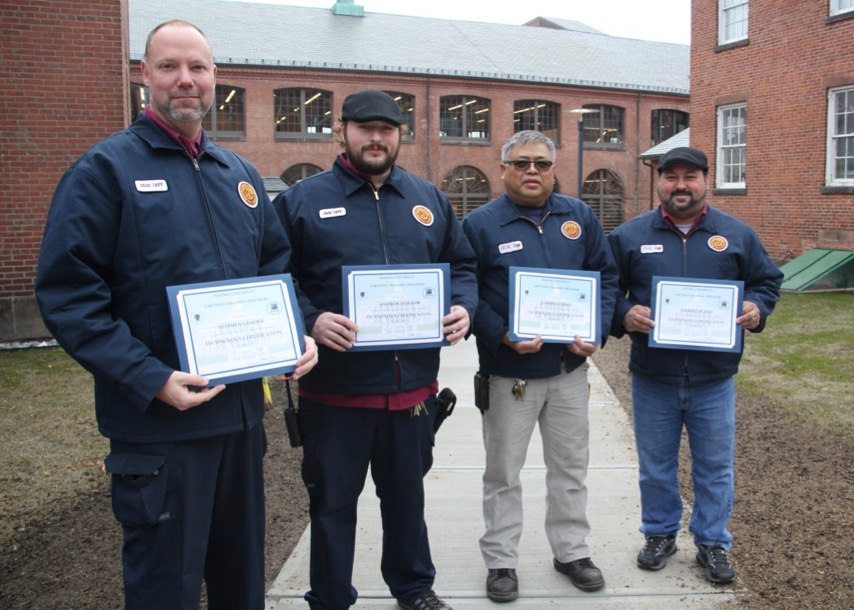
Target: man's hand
307	361
456	324
335	331
580	348
524	347
750	316
185	391
638	320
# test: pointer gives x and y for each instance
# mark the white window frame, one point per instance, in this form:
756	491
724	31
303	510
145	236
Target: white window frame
731	166
730	15
840	133
839	7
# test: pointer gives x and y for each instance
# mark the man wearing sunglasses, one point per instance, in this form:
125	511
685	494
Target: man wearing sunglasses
534	381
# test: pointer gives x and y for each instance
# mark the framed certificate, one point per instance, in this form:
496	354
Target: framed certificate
397	306
234	330
556	304
696	314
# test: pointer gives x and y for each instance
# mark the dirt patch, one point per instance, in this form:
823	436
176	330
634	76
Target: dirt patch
792	521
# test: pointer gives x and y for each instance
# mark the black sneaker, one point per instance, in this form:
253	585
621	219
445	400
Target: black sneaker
654	554
428	601
718	565
502	585
582	573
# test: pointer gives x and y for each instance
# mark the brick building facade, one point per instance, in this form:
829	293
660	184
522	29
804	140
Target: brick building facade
772	104
63	65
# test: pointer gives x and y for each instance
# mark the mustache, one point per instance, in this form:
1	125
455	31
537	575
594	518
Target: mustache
675	193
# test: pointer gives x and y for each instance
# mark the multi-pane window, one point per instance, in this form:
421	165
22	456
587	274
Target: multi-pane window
667	123
466	188
603	128
840	137
603	192
537	115
302	113
226	116
837	7
299	172
407	109
732	146
732	20
464	118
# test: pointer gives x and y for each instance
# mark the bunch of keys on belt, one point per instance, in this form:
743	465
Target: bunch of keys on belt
519	388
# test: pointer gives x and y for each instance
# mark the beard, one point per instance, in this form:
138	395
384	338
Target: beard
183	113
372	167
675	209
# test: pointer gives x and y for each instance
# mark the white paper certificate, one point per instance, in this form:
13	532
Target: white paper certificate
235	330
555	304
397	306
696	314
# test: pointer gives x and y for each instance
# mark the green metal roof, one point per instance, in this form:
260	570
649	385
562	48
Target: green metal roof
819	268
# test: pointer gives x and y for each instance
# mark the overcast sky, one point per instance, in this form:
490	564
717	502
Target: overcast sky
661	20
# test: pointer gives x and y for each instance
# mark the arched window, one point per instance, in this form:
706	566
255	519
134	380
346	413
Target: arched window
603	191
666	124
467	188
407	109
536	115
302	114
299	172
464	118
603	128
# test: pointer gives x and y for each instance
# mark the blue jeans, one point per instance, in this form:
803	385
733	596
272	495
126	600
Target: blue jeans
708	414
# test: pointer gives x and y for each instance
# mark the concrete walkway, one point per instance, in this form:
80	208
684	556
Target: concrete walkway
455	520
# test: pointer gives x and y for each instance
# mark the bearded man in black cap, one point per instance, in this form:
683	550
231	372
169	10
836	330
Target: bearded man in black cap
370	408
686	383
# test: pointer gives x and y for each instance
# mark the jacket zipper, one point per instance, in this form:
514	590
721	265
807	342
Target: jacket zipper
397	372
208	212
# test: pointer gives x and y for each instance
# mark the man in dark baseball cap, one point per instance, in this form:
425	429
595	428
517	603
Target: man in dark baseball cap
371	105
685	155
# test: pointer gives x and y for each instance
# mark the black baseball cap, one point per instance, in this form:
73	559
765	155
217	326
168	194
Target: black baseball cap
371	105
686	155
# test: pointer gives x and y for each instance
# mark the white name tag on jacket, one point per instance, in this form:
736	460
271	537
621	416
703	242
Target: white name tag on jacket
151	186
652	249
511	246
333	212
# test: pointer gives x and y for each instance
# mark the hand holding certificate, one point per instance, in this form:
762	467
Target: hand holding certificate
397	306
556	304
696	314
236	330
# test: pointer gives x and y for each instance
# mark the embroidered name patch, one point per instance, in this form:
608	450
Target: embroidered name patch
247	194
718	243
423	215
512	246
332	212
571	229
151	186
652	248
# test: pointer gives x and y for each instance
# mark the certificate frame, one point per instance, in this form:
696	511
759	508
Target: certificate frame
385	300
235	330
696	314
572	307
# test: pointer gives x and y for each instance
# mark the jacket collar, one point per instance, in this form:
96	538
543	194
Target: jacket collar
352	182
158	139
508	212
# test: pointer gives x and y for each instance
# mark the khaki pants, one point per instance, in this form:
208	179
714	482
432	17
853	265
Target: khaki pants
559	404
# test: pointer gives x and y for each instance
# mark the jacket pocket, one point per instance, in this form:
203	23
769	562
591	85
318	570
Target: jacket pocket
139	485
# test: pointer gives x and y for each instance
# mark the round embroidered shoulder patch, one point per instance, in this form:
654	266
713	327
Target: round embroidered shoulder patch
571	229
247	194
718	243
423	215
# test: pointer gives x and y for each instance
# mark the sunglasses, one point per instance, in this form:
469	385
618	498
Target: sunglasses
522	165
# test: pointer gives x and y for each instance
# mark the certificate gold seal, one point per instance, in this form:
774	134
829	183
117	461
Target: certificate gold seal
571	229
718	243
247	194
423	215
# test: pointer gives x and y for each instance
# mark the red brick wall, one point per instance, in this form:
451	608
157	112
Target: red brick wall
63	72
426	156
793	56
